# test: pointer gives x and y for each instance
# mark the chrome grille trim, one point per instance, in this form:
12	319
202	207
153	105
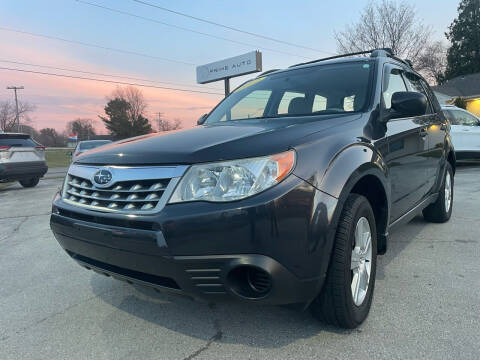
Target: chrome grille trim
133	189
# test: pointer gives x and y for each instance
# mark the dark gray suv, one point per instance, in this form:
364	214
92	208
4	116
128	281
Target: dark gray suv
284	193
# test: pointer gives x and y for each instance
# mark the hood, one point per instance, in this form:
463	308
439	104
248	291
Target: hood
215	142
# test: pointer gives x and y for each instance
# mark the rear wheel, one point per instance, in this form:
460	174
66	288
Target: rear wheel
347	295
29	182
441	210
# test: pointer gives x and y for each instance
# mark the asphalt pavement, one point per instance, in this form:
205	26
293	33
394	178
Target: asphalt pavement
426	302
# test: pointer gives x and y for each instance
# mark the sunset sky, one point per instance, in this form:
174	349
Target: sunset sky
58	100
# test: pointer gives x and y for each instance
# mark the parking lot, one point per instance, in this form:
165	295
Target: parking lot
426	302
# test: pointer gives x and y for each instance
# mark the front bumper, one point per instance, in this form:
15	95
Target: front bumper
195	248
22	170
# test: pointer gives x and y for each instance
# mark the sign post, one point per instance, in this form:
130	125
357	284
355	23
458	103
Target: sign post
225	69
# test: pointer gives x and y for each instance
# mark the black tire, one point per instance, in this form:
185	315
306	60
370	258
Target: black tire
437	212
335	305
29	182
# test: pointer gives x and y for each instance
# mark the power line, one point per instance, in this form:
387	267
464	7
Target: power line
187	29
96	46
102	74
108	81
228	27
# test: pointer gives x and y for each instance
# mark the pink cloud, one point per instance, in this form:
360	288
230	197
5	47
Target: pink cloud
59	100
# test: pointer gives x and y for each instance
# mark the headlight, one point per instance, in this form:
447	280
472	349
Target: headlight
233	180
63	188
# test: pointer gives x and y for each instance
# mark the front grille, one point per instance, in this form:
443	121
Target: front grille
131	190
136	195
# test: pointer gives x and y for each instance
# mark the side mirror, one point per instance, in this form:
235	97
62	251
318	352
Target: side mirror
408	104
202	119
70	153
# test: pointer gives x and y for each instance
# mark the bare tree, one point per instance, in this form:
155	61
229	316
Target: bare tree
8	114
50	137
134	97
84	128
168	125
433	62
386	24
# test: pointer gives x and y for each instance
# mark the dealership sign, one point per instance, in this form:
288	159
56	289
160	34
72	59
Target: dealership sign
225	69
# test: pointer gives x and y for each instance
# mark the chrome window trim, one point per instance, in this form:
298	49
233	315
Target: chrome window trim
127	173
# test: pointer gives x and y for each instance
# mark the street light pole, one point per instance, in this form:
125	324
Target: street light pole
17	118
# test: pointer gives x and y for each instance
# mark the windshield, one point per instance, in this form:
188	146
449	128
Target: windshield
316	90
92	145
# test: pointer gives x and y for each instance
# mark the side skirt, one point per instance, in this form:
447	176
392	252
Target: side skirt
405	218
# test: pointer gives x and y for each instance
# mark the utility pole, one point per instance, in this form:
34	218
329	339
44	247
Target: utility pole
17	118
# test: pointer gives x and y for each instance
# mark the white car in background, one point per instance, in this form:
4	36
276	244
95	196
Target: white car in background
86	145
465	132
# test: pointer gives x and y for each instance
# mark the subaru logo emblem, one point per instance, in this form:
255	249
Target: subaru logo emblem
102	177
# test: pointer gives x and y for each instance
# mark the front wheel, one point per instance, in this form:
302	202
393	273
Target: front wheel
29	182
347	295
441	210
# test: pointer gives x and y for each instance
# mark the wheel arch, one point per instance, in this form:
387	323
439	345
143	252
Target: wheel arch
360	169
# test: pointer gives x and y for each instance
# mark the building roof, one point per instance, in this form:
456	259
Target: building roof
465	86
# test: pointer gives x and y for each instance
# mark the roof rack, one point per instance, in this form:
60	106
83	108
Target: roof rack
384	52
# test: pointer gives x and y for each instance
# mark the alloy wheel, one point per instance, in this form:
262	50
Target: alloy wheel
448	192
361	261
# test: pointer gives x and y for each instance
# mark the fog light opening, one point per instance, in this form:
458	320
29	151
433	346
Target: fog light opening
249	282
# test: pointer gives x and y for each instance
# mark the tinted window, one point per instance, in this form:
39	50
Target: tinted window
414	83
463	118
17	142
92	145
335	89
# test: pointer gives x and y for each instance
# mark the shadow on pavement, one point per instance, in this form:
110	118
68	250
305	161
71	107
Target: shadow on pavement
225	322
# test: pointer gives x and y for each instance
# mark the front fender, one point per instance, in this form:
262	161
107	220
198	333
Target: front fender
349	166
345	170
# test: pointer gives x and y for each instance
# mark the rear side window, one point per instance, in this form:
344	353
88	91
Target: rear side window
17	142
